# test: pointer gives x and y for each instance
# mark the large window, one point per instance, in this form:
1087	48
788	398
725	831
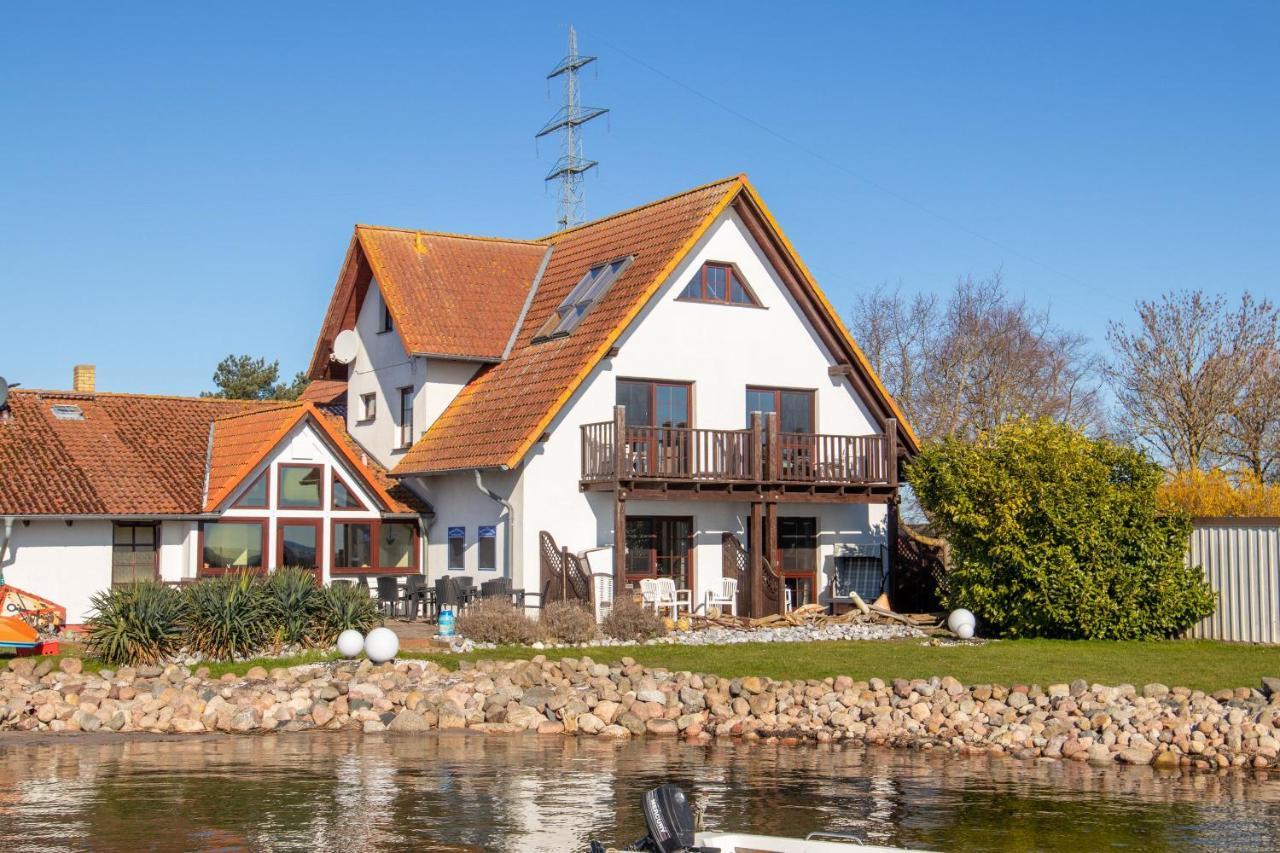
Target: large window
301	486
660	547
585	294
343	496
795	408
487	550
457	547
232	545
395	546
375	546
254	497
717	282
798	557
299	544
406	416
352	546
657	414
133	553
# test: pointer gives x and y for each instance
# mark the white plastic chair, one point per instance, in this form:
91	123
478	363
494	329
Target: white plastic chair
787	598
662	593
726	600
602	595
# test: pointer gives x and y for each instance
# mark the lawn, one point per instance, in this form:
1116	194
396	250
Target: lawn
1197	664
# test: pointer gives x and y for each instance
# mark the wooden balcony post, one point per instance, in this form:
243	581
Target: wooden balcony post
619	544
891	451
772	456
756	555
756	470
769	542
619	440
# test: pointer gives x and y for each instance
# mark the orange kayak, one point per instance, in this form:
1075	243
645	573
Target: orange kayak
17	634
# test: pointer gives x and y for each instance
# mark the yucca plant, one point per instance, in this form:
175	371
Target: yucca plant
135	624
229	617
344	606
296	601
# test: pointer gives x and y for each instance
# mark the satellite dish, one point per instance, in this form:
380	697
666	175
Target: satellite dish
345	346
4	393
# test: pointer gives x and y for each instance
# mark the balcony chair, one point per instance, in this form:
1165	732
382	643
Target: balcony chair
602	595
726	600
662	593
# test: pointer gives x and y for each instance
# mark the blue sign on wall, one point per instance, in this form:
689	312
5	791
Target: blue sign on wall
457	533
488	531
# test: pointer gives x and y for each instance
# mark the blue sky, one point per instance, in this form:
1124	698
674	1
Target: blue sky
179	181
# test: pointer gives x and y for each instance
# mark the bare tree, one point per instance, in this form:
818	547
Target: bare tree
1252	431
1181	373
977	360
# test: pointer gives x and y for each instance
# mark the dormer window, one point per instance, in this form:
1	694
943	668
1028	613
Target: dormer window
719	282
585	294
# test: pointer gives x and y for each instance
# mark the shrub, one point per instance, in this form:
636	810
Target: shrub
629	620
296	602
341	607
1054	534
1215	493
135	624
568	622
495	620
229	617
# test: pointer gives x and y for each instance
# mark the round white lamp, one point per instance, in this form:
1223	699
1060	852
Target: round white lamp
381	645
961	623
350	643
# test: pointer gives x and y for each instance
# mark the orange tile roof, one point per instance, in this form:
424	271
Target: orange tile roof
242	441
495	419
132	454
323	391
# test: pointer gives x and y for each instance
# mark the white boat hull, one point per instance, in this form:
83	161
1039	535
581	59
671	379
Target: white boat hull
737	842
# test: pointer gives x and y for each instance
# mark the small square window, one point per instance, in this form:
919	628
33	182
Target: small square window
457	548
368	407
486	547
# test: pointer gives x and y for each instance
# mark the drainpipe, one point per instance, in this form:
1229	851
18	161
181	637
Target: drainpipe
508	540
5	537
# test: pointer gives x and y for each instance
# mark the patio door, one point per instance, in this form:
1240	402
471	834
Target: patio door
797	558
300	542
797	418
660	547
658	418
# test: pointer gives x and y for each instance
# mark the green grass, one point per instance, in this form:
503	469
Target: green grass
1198	664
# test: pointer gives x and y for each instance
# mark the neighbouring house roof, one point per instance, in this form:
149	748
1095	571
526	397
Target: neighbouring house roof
507	407
242	441
324	392
130	454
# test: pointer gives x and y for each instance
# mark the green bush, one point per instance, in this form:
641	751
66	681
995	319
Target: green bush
631	621
136	624
496	620
567	622
296	601
343	606
1055	534
229	617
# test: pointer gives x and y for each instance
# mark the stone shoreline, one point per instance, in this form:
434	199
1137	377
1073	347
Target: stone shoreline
1155	724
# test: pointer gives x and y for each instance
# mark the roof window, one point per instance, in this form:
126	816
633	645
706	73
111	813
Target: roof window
585	294
67	413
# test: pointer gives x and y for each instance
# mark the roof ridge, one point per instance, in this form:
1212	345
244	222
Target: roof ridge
740	177
89	395
452	234
282	405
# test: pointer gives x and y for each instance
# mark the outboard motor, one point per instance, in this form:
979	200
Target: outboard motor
669	819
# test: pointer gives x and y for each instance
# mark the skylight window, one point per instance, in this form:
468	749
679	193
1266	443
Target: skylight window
68	413
585	294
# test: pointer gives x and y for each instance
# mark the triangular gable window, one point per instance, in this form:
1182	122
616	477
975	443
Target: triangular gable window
254	497
344	497
585	294
716	282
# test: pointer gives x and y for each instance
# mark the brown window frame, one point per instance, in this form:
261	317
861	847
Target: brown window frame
691	581
133	545
405	438
386	323
777	392
280	504
266	492
731	273
654	384
375	549
318	524
810	574
333	495
207	571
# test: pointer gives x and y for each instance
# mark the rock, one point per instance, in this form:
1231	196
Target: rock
615	732
1270	686
662	727
1136	755
589	724
1166	760
497	728
1154	690
524	716
246	720
652	696
71	666
752	684
256	673
405	721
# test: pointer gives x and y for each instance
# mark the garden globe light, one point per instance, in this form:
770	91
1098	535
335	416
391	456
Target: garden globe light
350	643
965	631
381	645
958	618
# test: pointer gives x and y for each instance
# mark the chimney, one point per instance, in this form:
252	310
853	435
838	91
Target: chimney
83	379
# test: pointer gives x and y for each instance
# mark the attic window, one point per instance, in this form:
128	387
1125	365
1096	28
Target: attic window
716	282
585	294
67	413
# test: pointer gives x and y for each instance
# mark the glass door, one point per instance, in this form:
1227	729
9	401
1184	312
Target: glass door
660	547
797	558
658	418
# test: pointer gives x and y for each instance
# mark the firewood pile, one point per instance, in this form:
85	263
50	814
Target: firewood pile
813	615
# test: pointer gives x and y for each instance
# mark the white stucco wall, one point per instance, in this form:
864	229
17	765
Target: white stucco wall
459	502
382	367
66	565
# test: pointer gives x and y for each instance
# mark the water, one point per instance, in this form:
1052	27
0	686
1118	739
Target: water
324	791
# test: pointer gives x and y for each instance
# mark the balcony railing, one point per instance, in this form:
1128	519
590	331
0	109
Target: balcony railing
756	455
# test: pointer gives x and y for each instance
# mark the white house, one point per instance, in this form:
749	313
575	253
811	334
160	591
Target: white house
669	377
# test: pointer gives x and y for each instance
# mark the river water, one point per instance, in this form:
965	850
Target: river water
325	791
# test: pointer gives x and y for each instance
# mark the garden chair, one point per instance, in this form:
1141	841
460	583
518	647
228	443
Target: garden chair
665	595
602	595
496	588
413	588
727	598
389	600
448	595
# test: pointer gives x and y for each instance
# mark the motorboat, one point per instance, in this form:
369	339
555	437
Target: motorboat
668	816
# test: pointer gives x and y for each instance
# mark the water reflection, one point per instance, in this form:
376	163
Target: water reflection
465	792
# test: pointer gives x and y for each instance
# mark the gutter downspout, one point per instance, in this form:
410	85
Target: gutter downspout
5	538
508	542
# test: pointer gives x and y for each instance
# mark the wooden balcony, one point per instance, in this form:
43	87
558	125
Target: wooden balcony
679	463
